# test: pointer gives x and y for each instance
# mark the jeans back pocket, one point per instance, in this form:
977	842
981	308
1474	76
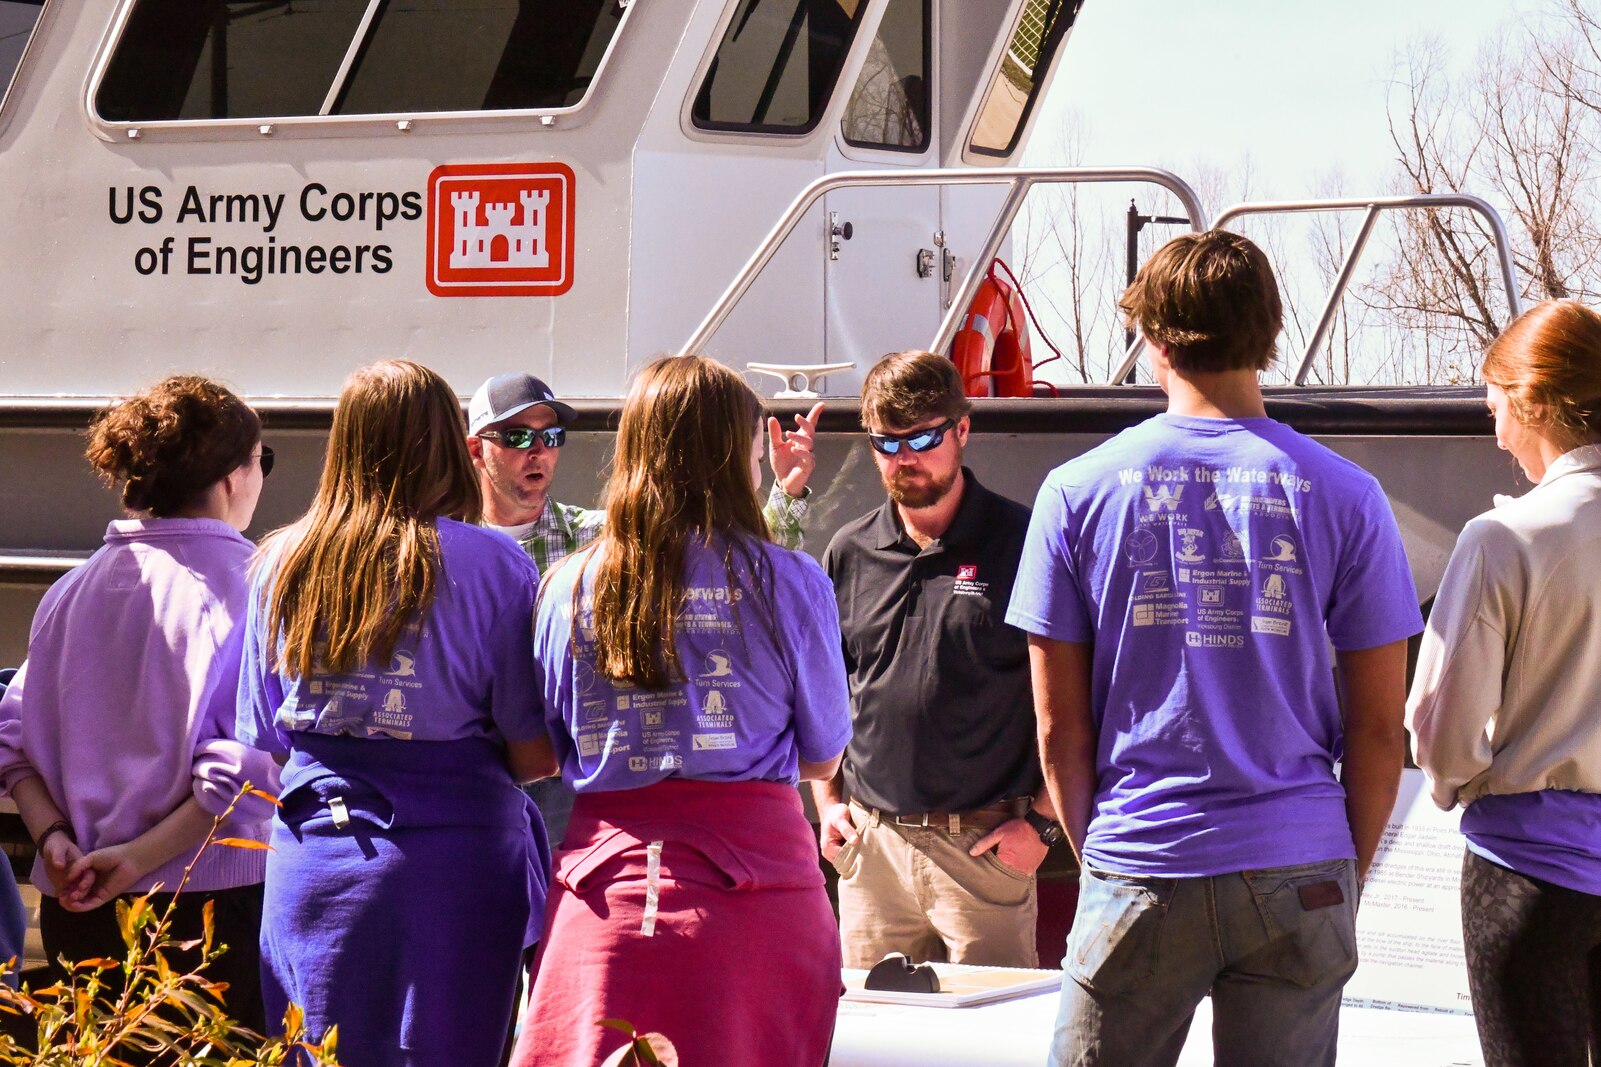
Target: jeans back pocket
1311	926
1116	937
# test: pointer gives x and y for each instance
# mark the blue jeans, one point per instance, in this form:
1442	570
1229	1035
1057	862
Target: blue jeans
1273	947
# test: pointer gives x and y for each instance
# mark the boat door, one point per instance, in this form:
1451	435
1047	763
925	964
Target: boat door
882	277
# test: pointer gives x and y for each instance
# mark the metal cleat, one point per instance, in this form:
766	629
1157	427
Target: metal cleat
798	378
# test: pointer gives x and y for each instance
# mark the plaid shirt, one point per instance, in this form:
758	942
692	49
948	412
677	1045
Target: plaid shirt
563	529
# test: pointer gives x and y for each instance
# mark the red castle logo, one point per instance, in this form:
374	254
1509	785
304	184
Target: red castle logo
967	572
500	229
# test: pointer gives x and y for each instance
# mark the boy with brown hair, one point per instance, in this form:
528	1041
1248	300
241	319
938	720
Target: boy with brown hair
1182	585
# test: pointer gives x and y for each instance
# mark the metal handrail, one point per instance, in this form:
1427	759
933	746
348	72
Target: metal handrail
1020	179
50	565
86	404
1373	206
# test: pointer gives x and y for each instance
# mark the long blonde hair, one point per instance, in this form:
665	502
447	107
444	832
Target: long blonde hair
681	475
363	562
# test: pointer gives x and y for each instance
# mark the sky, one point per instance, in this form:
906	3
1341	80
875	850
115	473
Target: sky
1296	85
1292	91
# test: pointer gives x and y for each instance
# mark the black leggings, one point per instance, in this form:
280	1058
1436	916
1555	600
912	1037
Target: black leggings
237	924
1534	967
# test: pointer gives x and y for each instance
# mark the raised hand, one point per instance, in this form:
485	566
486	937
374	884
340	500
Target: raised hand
790	451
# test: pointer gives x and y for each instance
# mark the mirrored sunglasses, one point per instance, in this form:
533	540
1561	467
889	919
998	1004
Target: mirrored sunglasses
925	440
522	437
267	458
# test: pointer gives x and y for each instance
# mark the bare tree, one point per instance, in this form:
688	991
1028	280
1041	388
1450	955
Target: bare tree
1542	162
1519	129
1065	263
1578	75
1343	357
1440	280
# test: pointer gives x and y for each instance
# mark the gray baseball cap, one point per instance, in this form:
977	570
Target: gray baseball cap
506	395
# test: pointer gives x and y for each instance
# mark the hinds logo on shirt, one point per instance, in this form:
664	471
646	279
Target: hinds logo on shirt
500	229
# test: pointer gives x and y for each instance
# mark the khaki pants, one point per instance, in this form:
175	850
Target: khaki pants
915	890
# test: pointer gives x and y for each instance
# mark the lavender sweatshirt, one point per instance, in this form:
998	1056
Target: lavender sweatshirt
125	706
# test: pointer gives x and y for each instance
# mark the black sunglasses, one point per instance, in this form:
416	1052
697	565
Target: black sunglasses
927	440
522	437
267	457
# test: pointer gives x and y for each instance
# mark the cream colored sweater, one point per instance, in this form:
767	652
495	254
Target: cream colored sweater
1507	695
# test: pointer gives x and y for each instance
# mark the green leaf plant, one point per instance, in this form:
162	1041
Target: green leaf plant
642	1050
143	1009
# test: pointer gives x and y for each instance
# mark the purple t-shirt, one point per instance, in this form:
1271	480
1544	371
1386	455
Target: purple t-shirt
763	687
460	671
1211	563
1553	835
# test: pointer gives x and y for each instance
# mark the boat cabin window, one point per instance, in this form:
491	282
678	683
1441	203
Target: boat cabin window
225	59
18	18
492	55
890	106
1015	86
776	65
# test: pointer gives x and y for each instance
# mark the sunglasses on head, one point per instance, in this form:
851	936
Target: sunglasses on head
522	437
926	440
266	458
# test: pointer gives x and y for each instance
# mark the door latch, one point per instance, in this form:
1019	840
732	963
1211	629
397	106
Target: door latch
837	232
925	262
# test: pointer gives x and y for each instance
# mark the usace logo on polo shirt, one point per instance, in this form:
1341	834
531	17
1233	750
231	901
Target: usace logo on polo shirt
500	229
967	583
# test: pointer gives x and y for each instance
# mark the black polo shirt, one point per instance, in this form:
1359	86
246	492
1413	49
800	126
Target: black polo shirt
940	697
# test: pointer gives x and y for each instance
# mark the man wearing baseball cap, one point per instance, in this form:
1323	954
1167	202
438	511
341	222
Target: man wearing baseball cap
515	429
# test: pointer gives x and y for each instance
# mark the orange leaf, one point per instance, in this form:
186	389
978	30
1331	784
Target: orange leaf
100	963
268	797
242	842
208	923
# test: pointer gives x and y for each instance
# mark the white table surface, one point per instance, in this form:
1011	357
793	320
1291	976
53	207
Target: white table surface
1015	1033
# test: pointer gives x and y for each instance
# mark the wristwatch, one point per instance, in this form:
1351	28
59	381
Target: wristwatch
1050	830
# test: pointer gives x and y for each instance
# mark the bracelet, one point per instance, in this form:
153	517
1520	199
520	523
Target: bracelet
60	826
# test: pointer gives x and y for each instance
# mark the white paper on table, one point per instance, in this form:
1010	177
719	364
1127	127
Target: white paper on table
1409	924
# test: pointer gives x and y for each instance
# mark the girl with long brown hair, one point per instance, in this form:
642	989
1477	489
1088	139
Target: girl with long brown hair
386	661
691	675
1503	705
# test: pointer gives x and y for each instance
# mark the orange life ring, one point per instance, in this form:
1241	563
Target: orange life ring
991	350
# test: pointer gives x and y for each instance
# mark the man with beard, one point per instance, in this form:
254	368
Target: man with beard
938	818
515	427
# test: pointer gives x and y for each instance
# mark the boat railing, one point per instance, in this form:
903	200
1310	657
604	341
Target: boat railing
1372	207
1018	180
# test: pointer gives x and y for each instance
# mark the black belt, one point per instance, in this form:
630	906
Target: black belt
952	822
